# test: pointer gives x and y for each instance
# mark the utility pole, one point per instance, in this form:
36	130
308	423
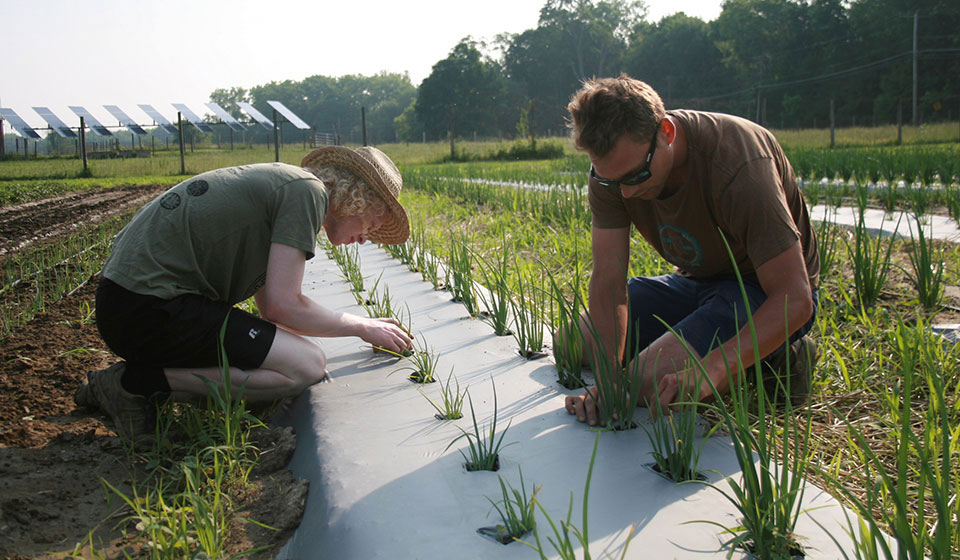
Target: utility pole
916	68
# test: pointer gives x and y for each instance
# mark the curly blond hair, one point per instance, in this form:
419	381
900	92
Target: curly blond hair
349	196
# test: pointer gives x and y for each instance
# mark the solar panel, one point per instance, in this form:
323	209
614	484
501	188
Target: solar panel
90	121
294	119
226	117
18	124
193	118
125	120
257	115
161	121
55	123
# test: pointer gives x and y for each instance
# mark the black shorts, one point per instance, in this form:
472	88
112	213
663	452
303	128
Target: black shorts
179	332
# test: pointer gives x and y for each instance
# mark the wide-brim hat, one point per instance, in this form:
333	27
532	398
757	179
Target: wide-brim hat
374	168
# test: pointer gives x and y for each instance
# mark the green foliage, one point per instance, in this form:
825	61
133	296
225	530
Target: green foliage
483	448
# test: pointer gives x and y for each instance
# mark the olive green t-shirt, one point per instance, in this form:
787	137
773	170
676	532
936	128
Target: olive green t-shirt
740	183
211	234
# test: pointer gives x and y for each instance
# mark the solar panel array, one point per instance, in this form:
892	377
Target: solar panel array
125	120
91	122
18	124
192	117
55	123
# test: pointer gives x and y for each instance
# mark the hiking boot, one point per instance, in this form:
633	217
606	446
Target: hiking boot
802	355
130	413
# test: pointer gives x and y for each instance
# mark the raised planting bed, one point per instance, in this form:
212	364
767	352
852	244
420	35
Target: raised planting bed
386	483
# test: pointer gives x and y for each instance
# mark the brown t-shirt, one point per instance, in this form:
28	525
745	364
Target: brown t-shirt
740	183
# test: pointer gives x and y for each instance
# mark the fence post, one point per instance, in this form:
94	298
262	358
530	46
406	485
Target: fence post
83	145
183	166
832	124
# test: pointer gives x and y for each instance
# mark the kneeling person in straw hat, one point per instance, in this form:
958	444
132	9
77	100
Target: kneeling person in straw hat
177	269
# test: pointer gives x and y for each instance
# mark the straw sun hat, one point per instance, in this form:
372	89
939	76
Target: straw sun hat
374	168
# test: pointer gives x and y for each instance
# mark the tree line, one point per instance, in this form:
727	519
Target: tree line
783	63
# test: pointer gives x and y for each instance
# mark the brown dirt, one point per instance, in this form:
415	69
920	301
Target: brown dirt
54	457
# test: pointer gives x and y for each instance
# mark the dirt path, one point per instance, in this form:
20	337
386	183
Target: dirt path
52	455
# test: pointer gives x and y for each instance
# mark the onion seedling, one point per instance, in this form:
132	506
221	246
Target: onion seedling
561	540
452	397
461	275
565	330
496	297
870	264
672	438
527	306
770	491
516	512
483	448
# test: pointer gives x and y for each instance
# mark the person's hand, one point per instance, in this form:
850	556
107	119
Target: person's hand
584	406
677	387
387	334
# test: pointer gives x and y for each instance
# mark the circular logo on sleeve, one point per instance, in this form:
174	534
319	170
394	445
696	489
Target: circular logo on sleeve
170	200
197	187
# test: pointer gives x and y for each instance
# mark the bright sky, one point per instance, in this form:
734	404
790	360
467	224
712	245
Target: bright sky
126	52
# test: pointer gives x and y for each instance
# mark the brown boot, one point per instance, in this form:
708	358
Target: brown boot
802	356
130	413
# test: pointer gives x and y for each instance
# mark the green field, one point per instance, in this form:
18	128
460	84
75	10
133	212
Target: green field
884	412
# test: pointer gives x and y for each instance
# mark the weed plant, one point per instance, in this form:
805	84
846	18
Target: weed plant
923	472
185	510
483	448
451	398
516	511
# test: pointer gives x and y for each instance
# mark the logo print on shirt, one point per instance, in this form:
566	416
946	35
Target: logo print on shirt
680	248
170	200
254	333
197	188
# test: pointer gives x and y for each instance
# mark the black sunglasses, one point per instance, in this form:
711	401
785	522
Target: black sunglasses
636	178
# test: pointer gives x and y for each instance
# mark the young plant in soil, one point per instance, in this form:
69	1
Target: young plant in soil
567	533
527	307
565	330
516	511
379	305
451	398
870	263
483	448
618	384
423	363
672	437
496	297
429	265
926	268
922	475
770	491
461	275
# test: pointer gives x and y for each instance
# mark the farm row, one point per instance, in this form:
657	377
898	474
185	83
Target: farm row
883	407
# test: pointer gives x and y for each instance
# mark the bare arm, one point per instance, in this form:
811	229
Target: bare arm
784	280
282	302
608	289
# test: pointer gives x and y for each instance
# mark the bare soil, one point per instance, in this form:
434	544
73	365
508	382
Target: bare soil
55	457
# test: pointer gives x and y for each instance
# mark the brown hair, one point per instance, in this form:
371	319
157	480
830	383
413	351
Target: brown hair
606	108
349	196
